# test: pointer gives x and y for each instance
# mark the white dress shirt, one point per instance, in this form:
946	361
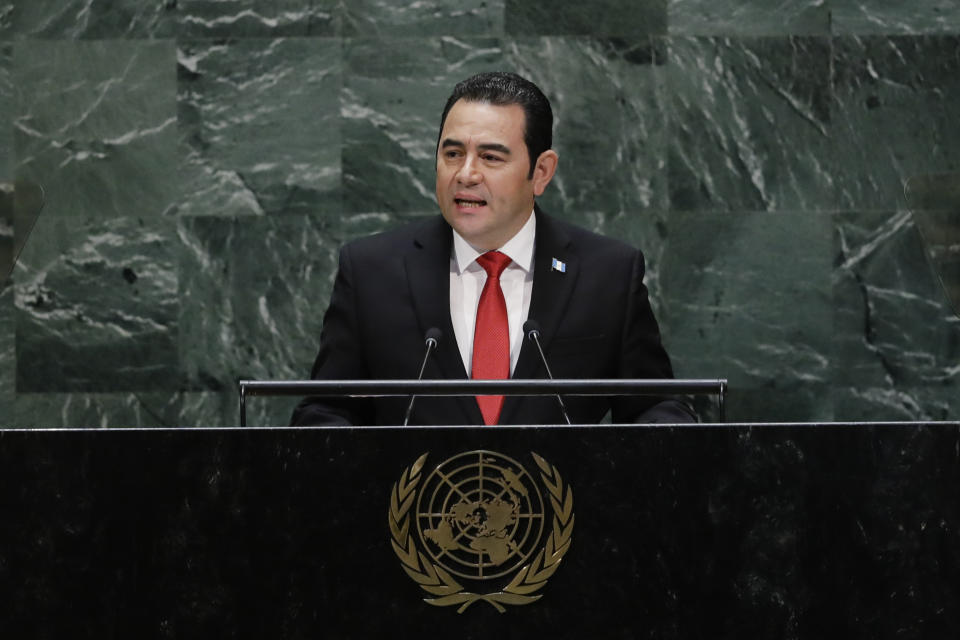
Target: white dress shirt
466	284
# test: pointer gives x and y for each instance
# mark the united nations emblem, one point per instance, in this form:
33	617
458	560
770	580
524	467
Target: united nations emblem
480	517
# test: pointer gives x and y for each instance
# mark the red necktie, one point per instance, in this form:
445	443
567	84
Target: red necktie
491	337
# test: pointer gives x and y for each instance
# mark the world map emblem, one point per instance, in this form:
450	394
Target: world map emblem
477	527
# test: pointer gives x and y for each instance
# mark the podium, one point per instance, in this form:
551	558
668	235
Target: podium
710	530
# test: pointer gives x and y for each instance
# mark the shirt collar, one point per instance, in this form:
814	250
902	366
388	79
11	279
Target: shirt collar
519	248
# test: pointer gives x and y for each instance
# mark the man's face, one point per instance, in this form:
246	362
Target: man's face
482	168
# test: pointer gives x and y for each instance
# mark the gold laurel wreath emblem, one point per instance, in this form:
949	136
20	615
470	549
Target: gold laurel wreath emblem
437	581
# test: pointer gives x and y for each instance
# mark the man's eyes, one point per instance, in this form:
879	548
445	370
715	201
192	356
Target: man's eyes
487	157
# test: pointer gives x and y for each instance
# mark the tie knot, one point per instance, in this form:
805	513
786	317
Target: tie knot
493	262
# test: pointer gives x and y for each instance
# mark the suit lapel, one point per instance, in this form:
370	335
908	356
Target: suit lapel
428	274
551	294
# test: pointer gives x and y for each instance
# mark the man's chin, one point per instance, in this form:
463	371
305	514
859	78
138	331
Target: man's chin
474	232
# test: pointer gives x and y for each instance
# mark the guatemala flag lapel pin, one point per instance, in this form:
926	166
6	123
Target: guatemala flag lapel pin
558	266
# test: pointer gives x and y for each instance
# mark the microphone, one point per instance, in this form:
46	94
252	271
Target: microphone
431	339
532	330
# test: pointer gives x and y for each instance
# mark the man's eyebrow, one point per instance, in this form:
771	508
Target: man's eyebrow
490	146
493	146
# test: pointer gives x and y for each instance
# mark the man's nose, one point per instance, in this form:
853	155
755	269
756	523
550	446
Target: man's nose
469	172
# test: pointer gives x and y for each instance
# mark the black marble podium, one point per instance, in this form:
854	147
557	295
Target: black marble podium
705	531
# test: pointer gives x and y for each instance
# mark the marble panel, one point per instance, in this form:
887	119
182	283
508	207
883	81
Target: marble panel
96	125
6	112
418	18
780	400
888	403
257	18
896	335
748	298
574	17
645	230
97	306
6	164
610	129
748	17
390	113
253	293
895	104
6	19
213	409
90	19
940	233
751	124
7	249
95	410
258	122
7	351
894	17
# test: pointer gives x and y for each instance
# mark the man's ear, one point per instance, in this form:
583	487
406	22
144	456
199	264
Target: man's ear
543	171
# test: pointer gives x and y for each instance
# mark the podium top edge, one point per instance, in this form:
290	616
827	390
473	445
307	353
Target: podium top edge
644	426
612	386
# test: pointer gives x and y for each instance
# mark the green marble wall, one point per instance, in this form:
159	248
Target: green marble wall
204	159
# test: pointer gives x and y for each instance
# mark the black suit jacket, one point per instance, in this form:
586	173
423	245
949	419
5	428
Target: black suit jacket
595	321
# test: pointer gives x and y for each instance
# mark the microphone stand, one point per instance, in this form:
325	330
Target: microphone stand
532	330
431	339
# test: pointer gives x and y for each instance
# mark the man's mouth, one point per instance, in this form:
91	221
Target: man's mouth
469	203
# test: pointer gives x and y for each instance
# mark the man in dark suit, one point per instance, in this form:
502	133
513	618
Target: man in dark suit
490	262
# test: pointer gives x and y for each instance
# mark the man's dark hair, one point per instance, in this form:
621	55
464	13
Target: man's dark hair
502	89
